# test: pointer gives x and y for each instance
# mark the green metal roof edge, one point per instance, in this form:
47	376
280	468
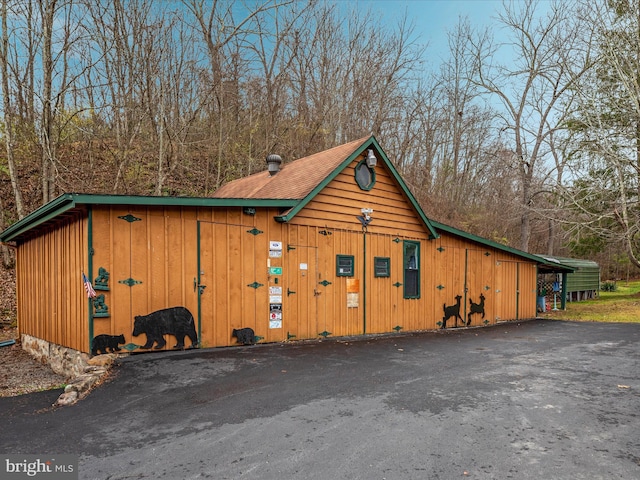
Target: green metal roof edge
576	263
43	214
67	201
371	141
499	246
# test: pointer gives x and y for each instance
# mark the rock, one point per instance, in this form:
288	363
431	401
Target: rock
82	383
67	398
95	370
101	360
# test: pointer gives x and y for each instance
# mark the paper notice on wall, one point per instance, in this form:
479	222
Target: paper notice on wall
275	245
353	300
275	308
275	320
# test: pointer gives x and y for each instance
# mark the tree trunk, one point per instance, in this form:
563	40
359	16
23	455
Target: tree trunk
551	239
8	259
46	141
8	114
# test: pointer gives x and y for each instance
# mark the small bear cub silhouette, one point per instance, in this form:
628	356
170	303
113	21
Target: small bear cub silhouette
245	336
104	343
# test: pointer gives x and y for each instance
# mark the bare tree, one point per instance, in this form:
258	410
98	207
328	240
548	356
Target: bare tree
8	112
173	95
59	32
222	35
605	141
549	56
121	30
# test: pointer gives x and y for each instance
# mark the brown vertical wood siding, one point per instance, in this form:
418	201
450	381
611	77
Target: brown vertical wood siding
51	298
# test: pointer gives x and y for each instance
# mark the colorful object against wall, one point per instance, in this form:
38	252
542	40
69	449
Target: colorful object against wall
100	308
91	293
101	282
176	321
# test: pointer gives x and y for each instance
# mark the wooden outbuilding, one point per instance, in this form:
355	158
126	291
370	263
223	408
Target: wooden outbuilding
333	244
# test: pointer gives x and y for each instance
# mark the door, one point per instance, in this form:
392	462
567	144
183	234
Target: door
233	281
479	292
129	283
506	290
151	262
302	294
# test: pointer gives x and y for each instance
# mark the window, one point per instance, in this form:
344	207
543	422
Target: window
381	266
365	176
345	265
411	260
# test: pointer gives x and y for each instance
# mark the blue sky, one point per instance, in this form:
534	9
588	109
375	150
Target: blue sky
435	18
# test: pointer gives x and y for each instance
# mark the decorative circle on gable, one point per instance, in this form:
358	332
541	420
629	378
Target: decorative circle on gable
365	176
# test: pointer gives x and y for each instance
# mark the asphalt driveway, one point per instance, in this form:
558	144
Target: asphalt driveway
531	400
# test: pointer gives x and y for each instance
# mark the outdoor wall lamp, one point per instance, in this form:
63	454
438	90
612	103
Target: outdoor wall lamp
371	159
365	218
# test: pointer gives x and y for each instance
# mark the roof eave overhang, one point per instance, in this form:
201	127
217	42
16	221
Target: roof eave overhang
543	264
69	201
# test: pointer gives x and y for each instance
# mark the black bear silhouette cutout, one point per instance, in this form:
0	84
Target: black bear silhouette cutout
176	321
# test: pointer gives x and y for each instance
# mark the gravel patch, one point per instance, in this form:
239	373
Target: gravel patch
21	373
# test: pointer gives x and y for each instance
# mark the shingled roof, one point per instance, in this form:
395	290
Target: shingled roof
295	180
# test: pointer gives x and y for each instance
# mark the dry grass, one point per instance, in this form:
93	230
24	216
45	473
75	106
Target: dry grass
623	305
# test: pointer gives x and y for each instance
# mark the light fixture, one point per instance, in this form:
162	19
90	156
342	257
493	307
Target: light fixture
371	159
366	212
365	218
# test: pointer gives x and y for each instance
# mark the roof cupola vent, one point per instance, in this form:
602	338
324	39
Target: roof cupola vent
273	163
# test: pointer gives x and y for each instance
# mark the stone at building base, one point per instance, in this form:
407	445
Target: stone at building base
83	371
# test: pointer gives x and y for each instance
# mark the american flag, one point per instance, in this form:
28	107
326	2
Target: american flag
91	293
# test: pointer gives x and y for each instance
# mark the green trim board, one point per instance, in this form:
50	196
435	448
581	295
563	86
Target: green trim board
70	201
90	273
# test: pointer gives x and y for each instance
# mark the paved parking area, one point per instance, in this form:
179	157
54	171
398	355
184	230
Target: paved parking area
530	400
